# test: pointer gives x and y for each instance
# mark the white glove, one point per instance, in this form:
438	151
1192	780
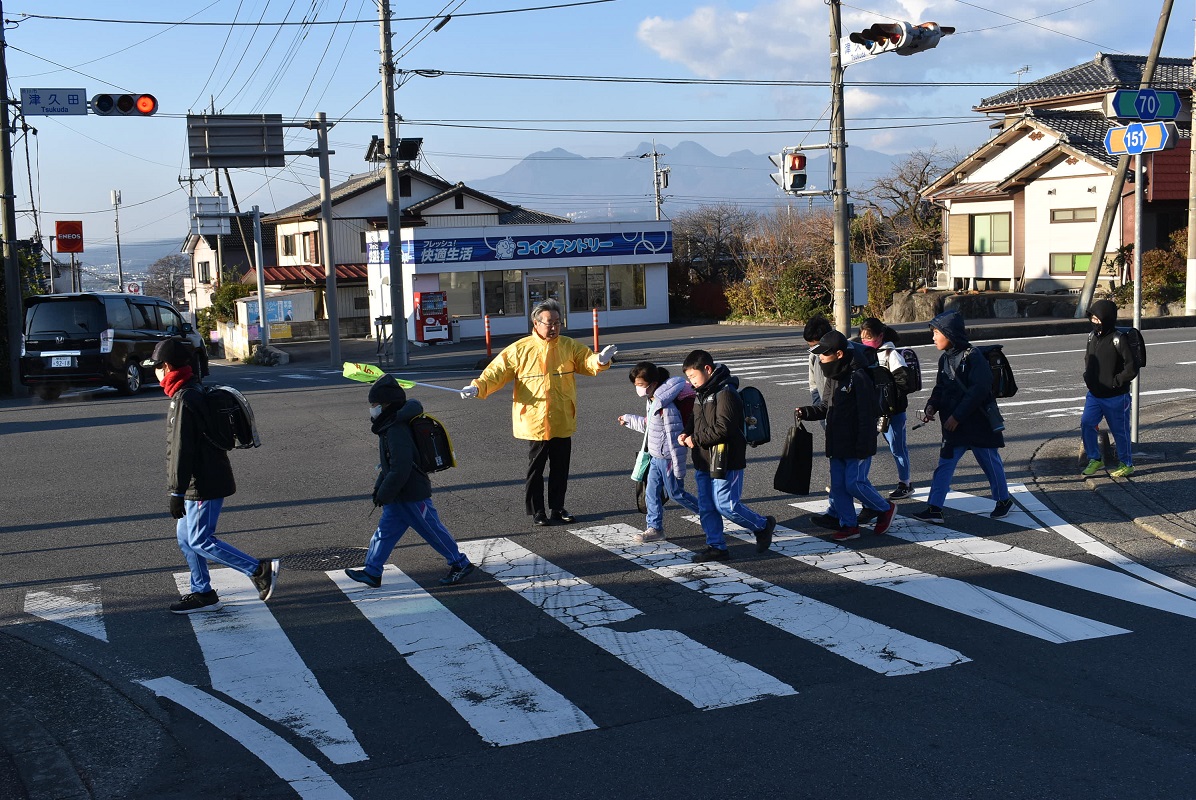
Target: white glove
469	392
607	354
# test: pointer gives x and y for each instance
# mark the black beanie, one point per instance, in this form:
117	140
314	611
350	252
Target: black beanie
386	390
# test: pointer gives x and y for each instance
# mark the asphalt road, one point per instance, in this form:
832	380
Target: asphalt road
987	659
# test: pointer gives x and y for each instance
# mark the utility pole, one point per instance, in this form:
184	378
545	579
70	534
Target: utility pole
394	214
330	299
8	228
1096	263
660	177
838	150
120	274
1190	292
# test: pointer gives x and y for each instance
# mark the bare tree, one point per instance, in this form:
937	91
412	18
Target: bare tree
712	240
897	197
165	277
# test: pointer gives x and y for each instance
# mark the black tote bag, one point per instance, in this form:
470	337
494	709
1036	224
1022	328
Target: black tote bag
797	459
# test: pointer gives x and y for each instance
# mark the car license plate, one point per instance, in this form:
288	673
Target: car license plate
60	361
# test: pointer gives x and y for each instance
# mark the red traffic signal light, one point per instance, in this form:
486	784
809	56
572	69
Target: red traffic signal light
124	105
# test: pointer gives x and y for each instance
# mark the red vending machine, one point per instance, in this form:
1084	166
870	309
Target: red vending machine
431	316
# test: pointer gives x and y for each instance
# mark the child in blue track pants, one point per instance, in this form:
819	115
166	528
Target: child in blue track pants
1109	371
403	490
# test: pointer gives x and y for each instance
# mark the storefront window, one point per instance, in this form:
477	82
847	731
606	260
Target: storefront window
461	292
587	288
627	286
503	292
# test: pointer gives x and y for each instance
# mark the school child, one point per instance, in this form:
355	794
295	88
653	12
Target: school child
1109	372
669	402
880	337
716	438
851	412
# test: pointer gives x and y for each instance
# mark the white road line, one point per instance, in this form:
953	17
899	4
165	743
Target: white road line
996	553
305	777
77	607
491	691
250	659
878	647
1005	405
977	602
704	677
1034	515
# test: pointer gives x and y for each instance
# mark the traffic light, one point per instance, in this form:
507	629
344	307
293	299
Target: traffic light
901	38
791	176
124	105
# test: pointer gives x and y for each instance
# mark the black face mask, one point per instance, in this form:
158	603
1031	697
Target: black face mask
1098	328
830	368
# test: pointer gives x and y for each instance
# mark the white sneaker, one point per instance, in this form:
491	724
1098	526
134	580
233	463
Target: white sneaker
650	535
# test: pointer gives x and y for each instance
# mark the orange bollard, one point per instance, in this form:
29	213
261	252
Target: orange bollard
595	330
488	355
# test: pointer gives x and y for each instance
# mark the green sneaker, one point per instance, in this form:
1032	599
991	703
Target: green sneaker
1094	466
1123	471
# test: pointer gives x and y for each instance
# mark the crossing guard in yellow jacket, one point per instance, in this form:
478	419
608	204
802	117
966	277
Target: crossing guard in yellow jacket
544	410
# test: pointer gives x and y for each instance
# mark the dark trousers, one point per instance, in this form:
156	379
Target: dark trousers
540	454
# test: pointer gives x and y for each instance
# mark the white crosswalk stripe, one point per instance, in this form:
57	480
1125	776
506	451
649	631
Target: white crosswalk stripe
862	641
498	697
704	677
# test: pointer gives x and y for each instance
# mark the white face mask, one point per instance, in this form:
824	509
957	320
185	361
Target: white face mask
161	373
642	391
375	412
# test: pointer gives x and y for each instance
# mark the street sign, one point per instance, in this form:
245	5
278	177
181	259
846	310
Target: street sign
133	287
1140	137
209	216
54	102
235	140
68	236
1145	104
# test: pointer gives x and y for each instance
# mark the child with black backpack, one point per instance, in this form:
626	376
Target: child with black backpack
1109	372
670	403
880	337
403	491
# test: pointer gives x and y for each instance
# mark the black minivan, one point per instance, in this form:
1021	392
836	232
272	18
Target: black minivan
97	339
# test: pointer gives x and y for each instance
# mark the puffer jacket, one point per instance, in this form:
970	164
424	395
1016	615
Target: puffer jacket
718	419
665	423
195	468
545	392
963	387
888	357
399	479
850	409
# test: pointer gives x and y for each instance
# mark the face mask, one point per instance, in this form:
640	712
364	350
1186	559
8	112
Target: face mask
829	368
642	391
375	412
161	373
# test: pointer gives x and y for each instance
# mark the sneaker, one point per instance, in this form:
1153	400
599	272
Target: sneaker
828	521
456	574
845	534
931	514
867	516
1122	471
1095	465
711	554
650	535
764	537
266	577
885	519
1002	508
361	576
561	515
198	601
902	491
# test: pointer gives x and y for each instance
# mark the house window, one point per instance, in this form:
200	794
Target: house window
361	304
1070	263
404	186
1073	214
990	234
587	288
204	270
627	289
461	293
459	201
288	245
361	241
503	292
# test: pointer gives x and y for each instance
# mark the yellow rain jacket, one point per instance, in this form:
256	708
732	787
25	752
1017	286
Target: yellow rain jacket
545	393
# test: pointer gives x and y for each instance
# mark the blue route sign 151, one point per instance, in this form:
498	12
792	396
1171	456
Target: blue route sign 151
1145	104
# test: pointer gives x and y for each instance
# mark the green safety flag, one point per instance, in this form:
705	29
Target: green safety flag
368	373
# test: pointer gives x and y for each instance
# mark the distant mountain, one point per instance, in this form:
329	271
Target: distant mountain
620	187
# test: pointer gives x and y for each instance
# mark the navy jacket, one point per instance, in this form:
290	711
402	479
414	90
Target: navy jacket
399	479
963	387
850	410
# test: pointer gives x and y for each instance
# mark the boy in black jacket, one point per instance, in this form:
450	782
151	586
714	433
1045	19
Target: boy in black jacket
198	478
403	490
1109	369
851	411
715	436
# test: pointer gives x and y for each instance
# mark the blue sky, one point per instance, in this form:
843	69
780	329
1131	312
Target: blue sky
475	127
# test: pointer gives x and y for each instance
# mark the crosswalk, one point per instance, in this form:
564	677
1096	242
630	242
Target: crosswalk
260	688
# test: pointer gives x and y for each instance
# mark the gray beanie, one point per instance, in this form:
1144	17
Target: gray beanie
386	390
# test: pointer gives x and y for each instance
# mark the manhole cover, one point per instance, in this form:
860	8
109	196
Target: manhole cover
325	558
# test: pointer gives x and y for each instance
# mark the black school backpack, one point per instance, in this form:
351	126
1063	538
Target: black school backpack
755	416
915	368
433	448
1004	384
227	419
1133	338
